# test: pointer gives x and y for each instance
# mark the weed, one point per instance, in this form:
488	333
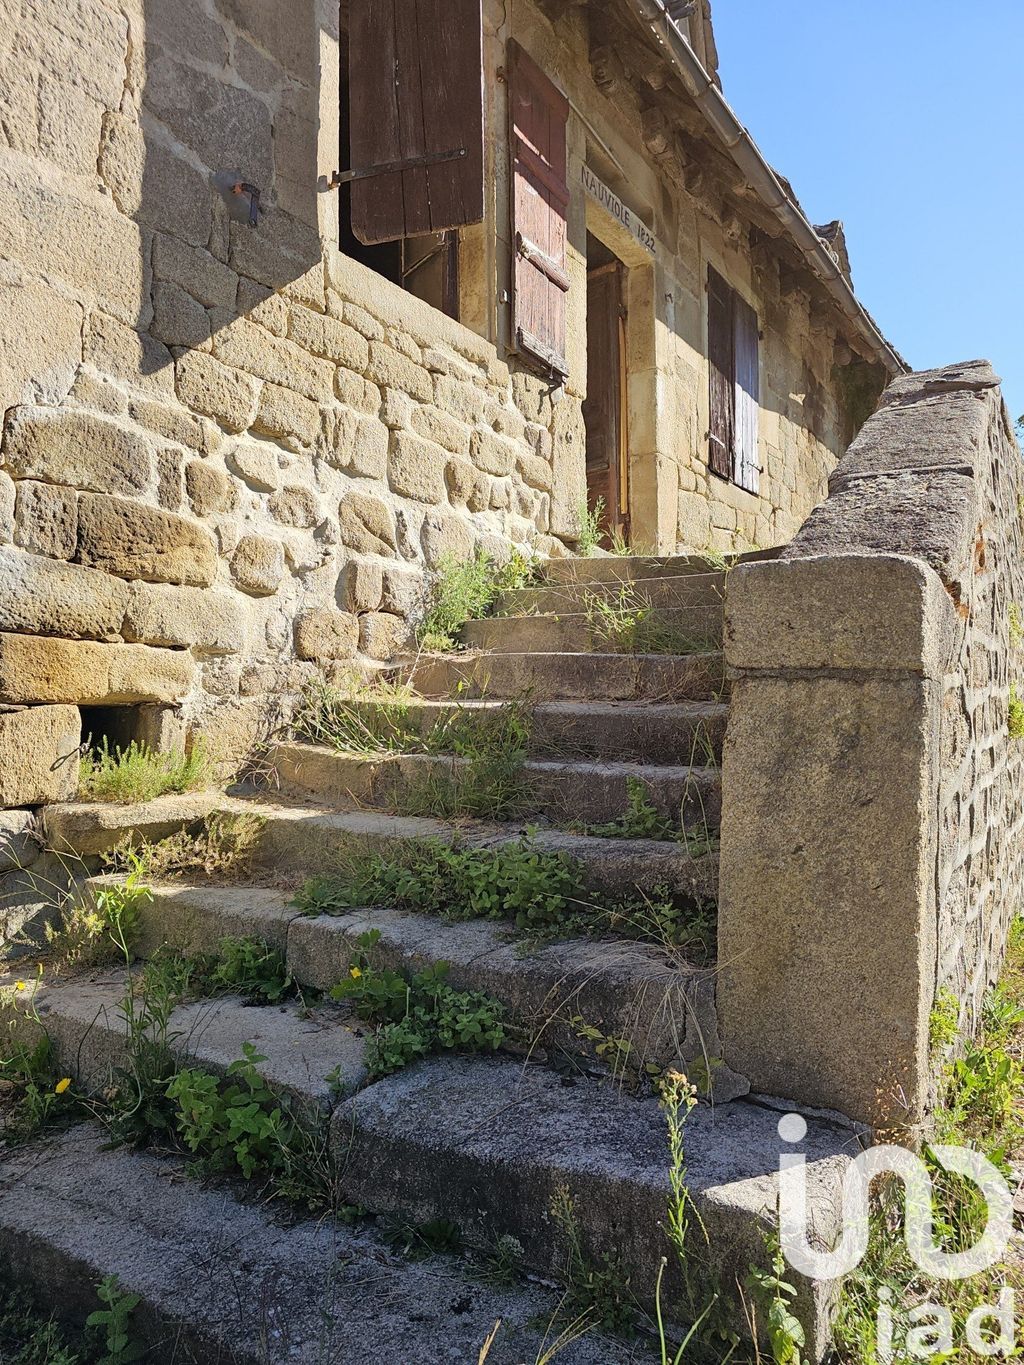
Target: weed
629	624
1015	715
774	1294
1015	625
944	1020
417	1241
139	773
222	849
640	820
539	891
466	590
359	719
591	528
416	1015
488	780
113	1323
101	923
29	1336
253	969
597	1287
503	1263
32	1091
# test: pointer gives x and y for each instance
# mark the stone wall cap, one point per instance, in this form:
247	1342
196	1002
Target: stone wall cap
967	374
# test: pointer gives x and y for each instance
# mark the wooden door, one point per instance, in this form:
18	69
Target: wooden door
604	411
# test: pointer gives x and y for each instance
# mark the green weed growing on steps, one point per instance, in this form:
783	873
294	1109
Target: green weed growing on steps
99	924
640	820
112	1323
32	1091
982	1084
629	624
359	718
220	850
591	529
139	773
540	892
418	1014
466	590
486	780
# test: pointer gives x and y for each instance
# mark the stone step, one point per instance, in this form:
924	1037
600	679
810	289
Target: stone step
570	676
224	1280
674	732
625	568
88	1023
562	792
489	1144
699	592
669	631
296	842
660	1005
85	828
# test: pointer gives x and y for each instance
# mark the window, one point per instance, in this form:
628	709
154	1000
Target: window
735	387
412	138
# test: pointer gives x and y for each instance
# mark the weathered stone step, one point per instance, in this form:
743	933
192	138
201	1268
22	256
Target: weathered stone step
488	1143
88	1024
221	1280
296	842
658	1004
571	677
563	792
673	732
698	591
624	568
669	631
85	828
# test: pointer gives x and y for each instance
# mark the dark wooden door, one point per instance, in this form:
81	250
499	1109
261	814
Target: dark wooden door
604	411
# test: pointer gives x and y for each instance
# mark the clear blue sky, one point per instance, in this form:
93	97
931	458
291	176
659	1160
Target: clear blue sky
907	121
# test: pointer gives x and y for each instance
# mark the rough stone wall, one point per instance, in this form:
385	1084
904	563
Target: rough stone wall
228	455
873	800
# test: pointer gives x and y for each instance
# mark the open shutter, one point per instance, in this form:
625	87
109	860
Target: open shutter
721	431
747	401
415	99
540	200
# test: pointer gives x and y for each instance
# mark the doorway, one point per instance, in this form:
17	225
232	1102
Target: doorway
605	407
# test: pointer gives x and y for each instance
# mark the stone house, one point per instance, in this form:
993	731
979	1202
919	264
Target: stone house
246	408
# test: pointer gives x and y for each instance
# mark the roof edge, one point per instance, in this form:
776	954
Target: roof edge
763	180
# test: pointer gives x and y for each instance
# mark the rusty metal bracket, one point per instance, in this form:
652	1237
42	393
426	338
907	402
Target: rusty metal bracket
409	163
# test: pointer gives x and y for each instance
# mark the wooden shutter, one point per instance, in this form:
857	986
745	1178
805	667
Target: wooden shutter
722	366
539	113
747	400
415	91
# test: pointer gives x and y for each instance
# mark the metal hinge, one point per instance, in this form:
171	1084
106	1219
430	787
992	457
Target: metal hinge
409	163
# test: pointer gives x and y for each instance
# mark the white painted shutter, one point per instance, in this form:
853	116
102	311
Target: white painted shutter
748	395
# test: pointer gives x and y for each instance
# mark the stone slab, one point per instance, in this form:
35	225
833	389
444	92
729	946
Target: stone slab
571	677
40	596
216	1275
486	1143
87	828
193	919
38	669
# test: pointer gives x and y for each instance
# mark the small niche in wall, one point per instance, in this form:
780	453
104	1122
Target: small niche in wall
113	727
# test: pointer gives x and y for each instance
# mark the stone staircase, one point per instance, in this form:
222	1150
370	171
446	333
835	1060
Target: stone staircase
485	1142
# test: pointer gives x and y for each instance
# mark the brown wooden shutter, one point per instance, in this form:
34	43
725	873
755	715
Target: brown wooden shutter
748	397
722	366
540	200
415	91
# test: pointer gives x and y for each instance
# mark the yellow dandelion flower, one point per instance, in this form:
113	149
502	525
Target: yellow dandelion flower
355	973
62	1085
21	985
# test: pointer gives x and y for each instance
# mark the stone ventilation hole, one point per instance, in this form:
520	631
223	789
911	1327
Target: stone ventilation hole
116	725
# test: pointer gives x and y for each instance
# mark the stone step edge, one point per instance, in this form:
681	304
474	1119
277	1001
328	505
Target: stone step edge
661	1006
212	1270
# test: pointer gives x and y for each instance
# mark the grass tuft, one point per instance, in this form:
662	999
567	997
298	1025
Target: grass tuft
466	590
139	773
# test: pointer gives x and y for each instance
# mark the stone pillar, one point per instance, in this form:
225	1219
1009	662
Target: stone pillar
827	938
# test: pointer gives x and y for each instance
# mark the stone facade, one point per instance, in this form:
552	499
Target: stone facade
231	456
872	792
